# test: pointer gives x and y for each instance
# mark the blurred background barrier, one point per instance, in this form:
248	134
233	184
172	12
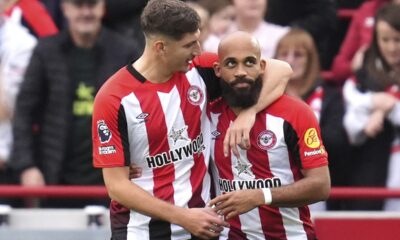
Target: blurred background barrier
101	192
93	222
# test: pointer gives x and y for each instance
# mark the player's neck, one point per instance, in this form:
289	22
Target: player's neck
152	69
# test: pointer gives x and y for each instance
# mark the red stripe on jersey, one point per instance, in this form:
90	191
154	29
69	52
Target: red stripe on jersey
307	224
223	163
158	142
304	212
270	217
192	116
224	166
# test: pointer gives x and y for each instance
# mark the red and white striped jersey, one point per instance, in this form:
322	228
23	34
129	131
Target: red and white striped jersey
164	129
285	139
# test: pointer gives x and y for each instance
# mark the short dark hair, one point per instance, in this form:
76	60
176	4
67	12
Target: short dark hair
172	18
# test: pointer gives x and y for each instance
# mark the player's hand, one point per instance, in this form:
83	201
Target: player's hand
238	202
239	132
134	171
375	123
202	222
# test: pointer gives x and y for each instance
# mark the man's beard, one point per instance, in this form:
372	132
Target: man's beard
241	97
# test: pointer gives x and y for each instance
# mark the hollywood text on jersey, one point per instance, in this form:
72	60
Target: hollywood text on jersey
226	185
165	158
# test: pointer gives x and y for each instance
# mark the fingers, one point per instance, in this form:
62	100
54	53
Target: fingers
231	215
245	143
226	142
234	138
135	171
216	200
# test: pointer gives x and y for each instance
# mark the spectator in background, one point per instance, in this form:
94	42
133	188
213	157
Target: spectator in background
123	16
250	18
57	95
204	20
372	116
297	48
357	40
16	45
54	9
318	17
222	15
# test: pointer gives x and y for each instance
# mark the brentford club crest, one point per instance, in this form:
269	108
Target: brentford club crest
266	140
195	95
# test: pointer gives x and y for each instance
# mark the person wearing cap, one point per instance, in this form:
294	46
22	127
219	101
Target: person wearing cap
52	136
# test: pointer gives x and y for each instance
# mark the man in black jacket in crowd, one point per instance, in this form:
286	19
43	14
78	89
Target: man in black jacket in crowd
52	123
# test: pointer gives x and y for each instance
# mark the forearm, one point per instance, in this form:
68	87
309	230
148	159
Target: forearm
275	80
302	192
132	196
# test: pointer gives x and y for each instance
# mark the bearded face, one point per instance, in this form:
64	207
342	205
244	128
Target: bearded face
243	92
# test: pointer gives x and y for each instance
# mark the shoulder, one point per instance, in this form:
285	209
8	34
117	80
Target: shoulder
205	60
287	101
119	85
289	108
52	42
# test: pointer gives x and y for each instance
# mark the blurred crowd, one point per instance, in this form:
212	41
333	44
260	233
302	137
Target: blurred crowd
56	54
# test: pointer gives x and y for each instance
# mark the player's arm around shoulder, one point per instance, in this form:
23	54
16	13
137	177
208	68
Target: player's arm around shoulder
202	222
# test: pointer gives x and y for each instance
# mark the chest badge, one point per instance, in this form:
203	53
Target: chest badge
195	95
266	140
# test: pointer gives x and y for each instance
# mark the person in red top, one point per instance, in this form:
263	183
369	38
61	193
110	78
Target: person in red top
267	188
34	15
357	40
152	113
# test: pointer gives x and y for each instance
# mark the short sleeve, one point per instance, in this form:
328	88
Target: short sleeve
204	65
109	132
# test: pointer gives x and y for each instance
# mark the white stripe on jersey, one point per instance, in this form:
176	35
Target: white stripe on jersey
174	120
195	78
138	226
251	224
138	223
250	221
280	167
139	143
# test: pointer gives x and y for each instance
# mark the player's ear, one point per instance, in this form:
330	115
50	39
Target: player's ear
217	69
159	46
263	65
